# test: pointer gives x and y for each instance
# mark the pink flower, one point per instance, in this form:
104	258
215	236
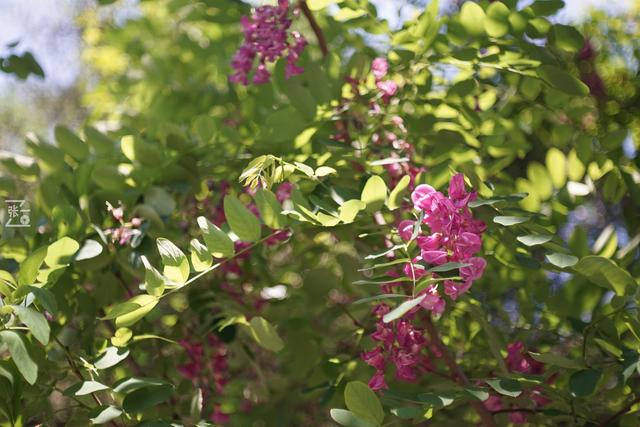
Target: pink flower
432	301
266	39
405	229
374	358
379	67
456	187
430	243
467	244
493	403
388	88
377	381
455	289
474	270
434	257
415	271
423	196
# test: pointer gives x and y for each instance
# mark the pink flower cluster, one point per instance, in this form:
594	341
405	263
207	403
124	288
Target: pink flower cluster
388	88
455	237
401	344
267	38
125	231
207	368
519	360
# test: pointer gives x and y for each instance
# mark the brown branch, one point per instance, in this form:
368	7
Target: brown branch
456	372
626	408
76	371
322	42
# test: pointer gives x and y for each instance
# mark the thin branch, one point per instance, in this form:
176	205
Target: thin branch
456	372
626	408
76	371
322	42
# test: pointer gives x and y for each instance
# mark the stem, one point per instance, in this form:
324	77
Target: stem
457	373
620	413
76	371
322	42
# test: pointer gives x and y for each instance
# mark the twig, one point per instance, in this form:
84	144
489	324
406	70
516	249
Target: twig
76	371
322	42
620	413
457	373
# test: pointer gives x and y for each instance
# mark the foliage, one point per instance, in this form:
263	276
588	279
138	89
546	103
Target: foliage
205	253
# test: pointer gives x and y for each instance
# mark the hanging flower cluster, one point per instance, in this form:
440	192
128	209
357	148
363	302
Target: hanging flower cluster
403	345
266	39
208	369
519	360
455	236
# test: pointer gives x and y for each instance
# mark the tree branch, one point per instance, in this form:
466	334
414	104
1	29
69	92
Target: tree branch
322	42
457	373
626	408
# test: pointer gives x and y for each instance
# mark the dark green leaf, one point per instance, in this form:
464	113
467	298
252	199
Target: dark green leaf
241	220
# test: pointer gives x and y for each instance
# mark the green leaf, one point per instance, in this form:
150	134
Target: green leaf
395	197
154	281
374	193
217	241
349	210
201	259
70	143
349	419
176	265
146	397
20	356
472	19
400	310
121	337
145	304
448	267
378	298
561	260
241	220
363	402
35	321
120	309
567	38
510	220
557	167
557	360
497	21
265	334
270	209
478	393
104	414
29	267
321	4
534	239
111	357
90	249
61	252
606	273
583	383
505	386
46	298
128	385
561	80
84	388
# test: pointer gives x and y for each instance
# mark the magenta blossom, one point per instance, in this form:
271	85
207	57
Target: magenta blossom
379	68
266	39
